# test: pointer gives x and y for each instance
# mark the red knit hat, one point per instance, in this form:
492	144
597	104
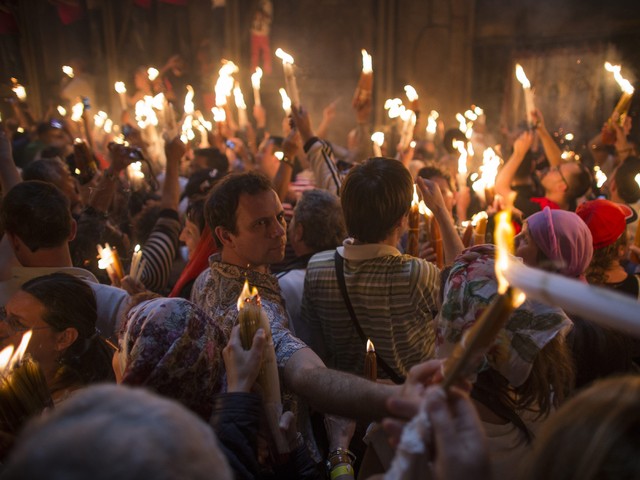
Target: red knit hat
606	220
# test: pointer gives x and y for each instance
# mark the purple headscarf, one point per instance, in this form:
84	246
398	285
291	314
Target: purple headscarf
172	347
564	238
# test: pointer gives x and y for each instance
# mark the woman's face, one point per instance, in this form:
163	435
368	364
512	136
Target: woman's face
190	235
526	247
25	312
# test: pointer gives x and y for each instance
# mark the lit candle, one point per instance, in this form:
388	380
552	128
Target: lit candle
255	83
414	225
480	220
433	233
189	107
528	93
378	140
23	388
135	270
152	73
251	317
109	261
370	362
61	111
408	125
68	71
468	231
289	77
624	103
462	163
286	102
365	83
243	120
122	93
19	90
135	175
76	112
432	125
601	178
412	96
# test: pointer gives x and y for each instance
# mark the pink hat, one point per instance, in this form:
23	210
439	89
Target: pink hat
606	220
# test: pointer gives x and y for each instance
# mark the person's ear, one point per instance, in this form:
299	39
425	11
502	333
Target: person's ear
74	230
225	237
66	338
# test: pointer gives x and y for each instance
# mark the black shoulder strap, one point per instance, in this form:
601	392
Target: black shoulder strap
395	378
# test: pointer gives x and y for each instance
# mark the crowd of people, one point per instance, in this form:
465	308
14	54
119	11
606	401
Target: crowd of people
188	210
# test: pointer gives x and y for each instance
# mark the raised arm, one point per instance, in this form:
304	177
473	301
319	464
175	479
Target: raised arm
551	149
508	171
451	241
9	175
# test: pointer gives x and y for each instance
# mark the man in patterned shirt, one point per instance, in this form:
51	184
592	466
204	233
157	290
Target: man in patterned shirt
394	296
247	220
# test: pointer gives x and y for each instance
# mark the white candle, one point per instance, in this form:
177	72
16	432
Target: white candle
432	125
243	121
528	93
286	102
289	77
599	305
122	90
255	83
378	140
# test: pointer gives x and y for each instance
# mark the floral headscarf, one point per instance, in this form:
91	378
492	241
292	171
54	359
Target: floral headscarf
172	347
470	289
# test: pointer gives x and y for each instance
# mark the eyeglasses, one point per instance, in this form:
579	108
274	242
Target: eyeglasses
559	170
14	324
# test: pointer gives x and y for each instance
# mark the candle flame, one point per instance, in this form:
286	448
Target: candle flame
478	111
637	179
228	68
432	124
416	198
105	256
394	106
247	294
98	121
205	123
256	77
367	62
144	113
62	111
601	178
108	125
378	138
5	358
239	98
120	87
152	73
76	112
569	136
284	56
411	93
219	115
137	248
134	171
503	236
19	90
188	101
278	155
158	101
286	101
423	209
412	144
522	77
462	160
624	84
67	70
482	215
22	348
370	347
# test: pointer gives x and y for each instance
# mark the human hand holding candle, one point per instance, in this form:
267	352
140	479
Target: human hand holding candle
622	107
251	317
109	261
18	89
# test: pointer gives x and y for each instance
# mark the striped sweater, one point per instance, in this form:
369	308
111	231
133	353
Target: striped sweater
394	297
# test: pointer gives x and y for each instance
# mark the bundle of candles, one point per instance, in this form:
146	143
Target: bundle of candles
23	388
109	260
251	317
137	264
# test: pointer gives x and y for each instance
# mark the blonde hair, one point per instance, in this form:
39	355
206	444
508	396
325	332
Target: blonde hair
595	435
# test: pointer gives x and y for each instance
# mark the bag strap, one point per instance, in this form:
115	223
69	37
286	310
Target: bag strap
393	376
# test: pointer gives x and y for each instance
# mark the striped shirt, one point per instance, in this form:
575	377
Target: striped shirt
393	295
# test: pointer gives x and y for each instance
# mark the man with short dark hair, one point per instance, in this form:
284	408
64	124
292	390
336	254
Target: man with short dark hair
38	225
247	221
394	296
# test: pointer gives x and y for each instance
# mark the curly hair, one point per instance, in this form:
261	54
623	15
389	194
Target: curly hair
320	214
603	259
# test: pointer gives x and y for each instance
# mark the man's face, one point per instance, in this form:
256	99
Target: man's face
558	177
260	236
